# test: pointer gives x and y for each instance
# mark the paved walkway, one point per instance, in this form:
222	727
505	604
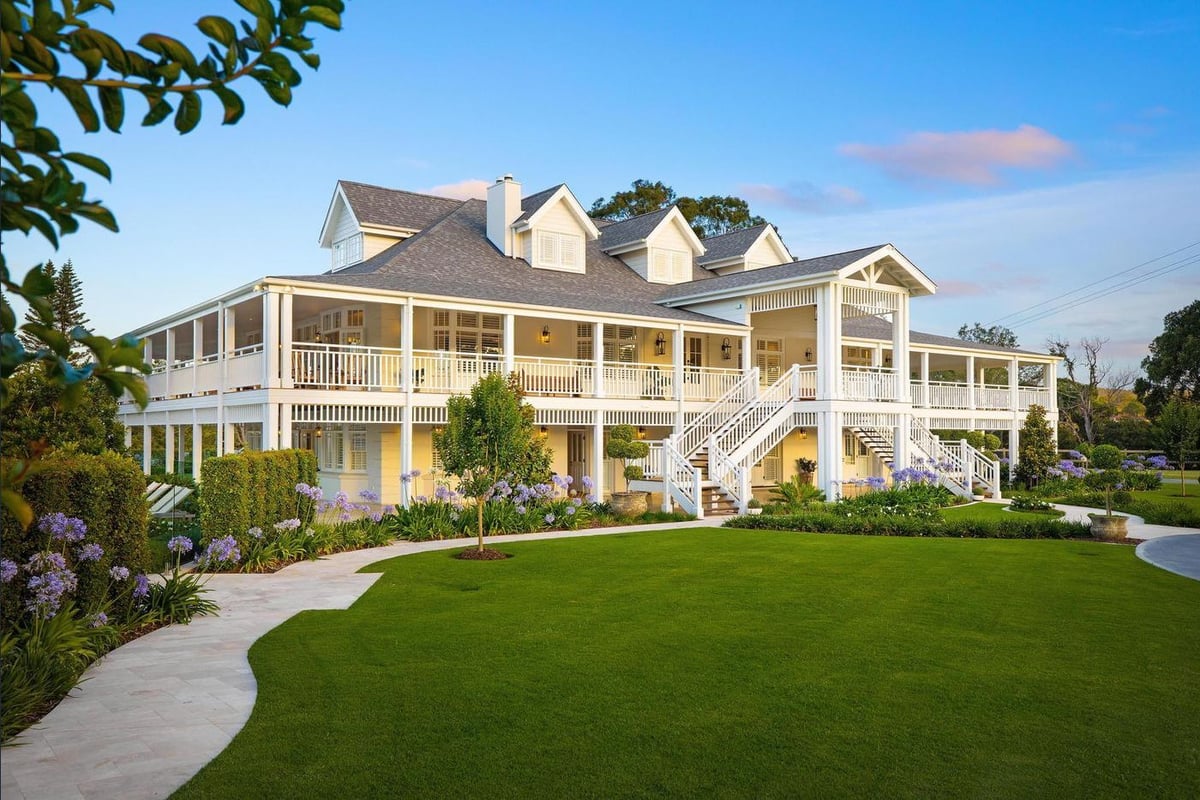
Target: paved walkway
153	712
1178	554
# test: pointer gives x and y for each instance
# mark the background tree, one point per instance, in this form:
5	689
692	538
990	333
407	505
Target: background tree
1173	365
1038	450
489	437
66	303
711	215
1178	432
1089	378
995	334
34	421
50	43
1000	336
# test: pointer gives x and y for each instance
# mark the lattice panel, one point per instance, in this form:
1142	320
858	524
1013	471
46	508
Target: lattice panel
784	298
860	301
564	416
866	419
332	414
248	413
663	418
433	414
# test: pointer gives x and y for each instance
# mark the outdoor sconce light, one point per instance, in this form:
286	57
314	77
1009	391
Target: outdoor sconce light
726	349
804	433
808	354
319	432
641	432
544	431
545	336
660	344
317	337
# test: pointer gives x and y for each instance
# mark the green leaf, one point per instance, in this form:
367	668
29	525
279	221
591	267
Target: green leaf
92	60
80	102
188	115
218	28
90	162
312	59
234	107
16	505
97	214
168	48
324	16
159	110
112	103
259	8
36	284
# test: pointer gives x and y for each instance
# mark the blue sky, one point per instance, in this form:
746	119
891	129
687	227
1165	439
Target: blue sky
1014	151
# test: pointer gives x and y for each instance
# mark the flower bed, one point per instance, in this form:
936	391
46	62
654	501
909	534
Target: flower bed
888	525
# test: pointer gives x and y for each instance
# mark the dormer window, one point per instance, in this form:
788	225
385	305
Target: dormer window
670	266
561	251
347	251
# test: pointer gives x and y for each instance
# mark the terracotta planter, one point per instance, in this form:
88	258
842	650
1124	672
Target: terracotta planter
806	477
629	504
1108	529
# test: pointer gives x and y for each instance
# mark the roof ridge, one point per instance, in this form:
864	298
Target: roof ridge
739	230
840	253
403	191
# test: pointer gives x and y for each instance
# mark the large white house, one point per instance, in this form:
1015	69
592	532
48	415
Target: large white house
729	355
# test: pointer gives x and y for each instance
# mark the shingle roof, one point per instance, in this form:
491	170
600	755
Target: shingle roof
530	204
878	328
634	229
793	269
395	208
729	245
454	257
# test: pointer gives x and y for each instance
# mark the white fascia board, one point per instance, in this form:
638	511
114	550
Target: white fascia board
776	242
916	274
562	194
388	230
325	239
676	216
967	350
746	291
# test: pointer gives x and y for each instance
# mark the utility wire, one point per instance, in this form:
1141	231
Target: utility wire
1105	279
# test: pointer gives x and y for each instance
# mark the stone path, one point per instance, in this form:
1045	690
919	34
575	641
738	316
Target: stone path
153	712
1178	554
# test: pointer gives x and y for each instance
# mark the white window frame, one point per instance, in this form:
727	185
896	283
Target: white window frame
470	332
357	442
620	343
669	266
348	251
558	250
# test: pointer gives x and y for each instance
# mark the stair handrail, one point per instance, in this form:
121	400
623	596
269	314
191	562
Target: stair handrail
695	433
952	467
681	479
742	425
985	469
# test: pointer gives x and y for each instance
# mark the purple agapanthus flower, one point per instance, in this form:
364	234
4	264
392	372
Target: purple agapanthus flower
8	570
222	551
369	496
141	586
119	573
99	620
287	525
255	532
61	527
179	545
89	552
570	511
549	519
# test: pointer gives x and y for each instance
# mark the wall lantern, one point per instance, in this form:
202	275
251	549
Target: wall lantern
808	354
660	344
726	349
544	431
319	432
641	433
804	433
317	337
544	338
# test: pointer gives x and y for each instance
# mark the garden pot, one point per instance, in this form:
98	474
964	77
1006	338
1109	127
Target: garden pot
629	504
806	477
1108	528
753	511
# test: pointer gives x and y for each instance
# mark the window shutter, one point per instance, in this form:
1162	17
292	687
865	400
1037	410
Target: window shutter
570	252
547	249
661	265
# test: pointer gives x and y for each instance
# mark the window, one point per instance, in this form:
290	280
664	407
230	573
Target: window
333	455
670	266
559	251
620	343
468	332
358	448
857	356
347	251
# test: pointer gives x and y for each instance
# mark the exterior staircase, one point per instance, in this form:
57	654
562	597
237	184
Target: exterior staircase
878	442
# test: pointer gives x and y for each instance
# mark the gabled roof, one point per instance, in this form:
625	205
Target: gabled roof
454	256
736	244
875	328
533	206
634	229
533	203
782	272
387	208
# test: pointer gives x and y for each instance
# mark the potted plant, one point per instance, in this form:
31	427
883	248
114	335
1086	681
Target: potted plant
1107	475
753	506
623	444
805	467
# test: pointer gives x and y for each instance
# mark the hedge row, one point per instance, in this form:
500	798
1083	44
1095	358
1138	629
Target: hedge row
107	492
823	522
245	490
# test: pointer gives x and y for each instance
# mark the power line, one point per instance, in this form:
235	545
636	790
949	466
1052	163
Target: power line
1105	279
1172	267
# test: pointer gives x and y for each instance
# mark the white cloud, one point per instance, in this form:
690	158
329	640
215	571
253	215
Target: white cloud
803	196
467	189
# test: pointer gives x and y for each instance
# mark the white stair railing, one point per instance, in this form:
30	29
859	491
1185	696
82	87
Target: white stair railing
695	434
681	480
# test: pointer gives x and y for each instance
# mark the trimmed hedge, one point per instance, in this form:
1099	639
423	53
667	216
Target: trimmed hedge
106	491
245	490
824	522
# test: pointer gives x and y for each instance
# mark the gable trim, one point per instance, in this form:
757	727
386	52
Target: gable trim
563	194
326	237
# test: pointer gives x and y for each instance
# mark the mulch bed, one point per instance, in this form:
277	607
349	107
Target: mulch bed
486	554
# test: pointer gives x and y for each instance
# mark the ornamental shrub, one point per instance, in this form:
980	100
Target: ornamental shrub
1105	456
824	522
256	489
107	492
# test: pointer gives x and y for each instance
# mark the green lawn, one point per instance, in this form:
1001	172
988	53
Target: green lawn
726	663
991	511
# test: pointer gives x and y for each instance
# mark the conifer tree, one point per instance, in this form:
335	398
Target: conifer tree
68	300
28	341
1038	452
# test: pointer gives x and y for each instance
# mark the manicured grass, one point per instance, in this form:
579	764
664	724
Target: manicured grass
727	663
1173	492
992	511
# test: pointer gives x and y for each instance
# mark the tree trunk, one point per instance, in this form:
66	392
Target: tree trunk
1182	481
479	520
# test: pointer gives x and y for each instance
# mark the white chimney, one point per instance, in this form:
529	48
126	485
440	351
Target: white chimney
503	208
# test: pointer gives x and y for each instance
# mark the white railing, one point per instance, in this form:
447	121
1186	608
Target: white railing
708	383
443	371
991	397
245	367
336	366
926	451
564	377
983	469
1034	395
681	480
695	434
805	387
732	478
652	464
730	446
869	383
638	381
734	433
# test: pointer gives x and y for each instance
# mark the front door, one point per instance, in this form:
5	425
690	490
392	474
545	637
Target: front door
768	357
577	456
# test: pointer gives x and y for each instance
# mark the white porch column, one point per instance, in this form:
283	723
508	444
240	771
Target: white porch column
197	352
169	454
147	445
510	344
1014	445
829	338
128	433
270	433
925	379
1014	392
747	353
1052	384
598	363
197	449
287	378
900	354
598	457
677	361
285	426
829	452
901	434
228	437
168	376
406	345
148	349
971	382
270	340
229	329
406	453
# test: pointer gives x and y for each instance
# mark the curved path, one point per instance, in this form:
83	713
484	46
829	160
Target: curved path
156	710
1179	554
